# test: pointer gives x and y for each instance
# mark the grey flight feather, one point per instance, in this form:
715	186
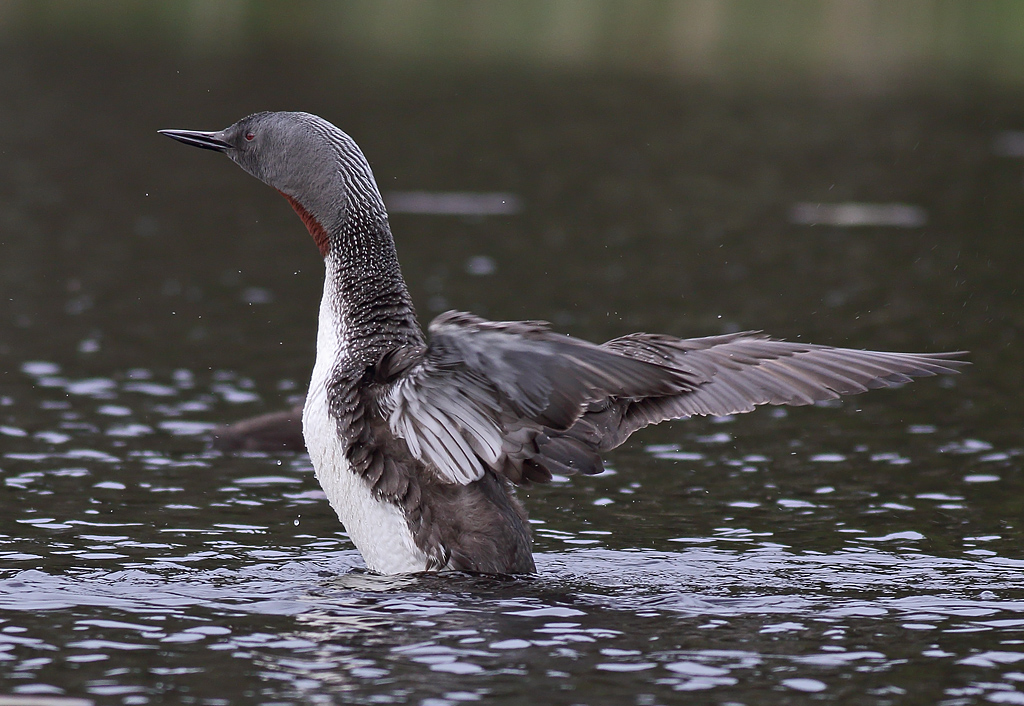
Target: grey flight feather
738	372
526	402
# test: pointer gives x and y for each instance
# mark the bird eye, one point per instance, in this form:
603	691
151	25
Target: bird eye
249	137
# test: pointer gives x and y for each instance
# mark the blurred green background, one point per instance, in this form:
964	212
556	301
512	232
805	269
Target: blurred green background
867	44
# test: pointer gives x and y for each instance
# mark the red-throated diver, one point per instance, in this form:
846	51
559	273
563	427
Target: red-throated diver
419	445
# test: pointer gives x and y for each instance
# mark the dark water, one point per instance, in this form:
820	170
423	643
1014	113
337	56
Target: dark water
865	552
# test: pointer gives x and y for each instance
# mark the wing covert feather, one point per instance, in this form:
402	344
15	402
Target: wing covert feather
479	381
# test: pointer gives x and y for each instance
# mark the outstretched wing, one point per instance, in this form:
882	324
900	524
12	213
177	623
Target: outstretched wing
525	402
277	431
738	372
487	393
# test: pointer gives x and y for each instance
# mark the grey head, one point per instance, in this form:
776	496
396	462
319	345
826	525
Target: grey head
315	165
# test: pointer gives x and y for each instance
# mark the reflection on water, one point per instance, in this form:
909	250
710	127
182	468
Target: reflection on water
848	215
452	203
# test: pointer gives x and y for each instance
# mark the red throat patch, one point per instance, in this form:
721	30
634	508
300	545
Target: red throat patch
312	225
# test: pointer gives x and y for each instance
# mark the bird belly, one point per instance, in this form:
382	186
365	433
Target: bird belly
378	528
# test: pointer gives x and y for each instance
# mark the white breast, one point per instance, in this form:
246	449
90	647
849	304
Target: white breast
378	529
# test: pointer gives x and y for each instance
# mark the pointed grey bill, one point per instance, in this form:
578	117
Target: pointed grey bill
204	140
